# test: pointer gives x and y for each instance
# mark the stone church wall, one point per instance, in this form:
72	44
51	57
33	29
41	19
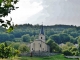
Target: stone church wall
39	54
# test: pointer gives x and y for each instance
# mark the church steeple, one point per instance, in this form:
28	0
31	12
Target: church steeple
42	35
42	31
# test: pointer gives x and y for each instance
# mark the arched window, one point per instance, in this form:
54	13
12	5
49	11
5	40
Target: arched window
40	45
41	37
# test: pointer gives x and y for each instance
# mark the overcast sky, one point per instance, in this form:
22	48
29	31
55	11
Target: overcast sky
49	12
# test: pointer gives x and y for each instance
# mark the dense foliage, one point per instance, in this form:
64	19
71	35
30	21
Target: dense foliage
6	51
6	6
27	32
53	46
69	49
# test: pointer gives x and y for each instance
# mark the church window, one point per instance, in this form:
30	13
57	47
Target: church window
40	45
32	48
41	37
43	48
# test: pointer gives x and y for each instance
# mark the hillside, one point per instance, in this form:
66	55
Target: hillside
58	33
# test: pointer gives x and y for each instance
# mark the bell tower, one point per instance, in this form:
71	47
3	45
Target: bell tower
41	34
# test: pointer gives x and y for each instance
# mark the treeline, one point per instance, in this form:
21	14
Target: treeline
28	32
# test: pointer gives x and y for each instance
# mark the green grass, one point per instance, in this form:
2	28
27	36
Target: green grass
61	57
55	57
30	58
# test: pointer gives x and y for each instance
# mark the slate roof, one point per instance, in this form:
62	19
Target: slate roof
42	31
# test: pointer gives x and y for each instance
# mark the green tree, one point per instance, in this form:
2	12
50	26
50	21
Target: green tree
26	38
6	51
6	6
53	46
69	49
74	51
69	44
4	37
73	40
78	43
66	46
67	53
32	38
60	38
23	48
64	37
15	45
55	37
74	34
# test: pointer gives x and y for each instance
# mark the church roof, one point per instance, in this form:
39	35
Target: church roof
42	31
39	40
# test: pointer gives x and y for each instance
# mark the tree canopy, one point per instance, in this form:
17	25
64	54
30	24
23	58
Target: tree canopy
6	6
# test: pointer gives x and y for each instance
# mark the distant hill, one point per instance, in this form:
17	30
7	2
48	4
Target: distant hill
57	33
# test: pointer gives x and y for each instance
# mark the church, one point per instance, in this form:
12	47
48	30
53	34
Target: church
39	45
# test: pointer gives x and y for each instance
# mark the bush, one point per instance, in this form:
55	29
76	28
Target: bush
67	53
7	51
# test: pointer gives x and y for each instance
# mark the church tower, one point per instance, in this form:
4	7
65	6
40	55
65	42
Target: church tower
41	34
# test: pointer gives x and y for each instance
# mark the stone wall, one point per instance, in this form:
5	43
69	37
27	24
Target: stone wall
38	54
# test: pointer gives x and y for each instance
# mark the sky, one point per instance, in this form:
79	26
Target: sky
50	12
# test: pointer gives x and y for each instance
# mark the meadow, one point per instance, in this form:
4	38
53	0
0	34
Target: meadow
55	57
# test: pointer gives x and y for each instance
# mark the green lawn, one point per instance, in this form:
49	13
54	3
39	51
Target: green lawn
56	57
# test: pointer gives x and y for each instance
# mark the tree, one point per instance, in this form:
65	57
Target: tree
55	37
4	37
6	51
23	48
66	46
11	37
60	38
67	53
78	43
69	44
64	37
26	38
74	34
73	40
69	49
53	46
16	45
74	51
32	38
6	6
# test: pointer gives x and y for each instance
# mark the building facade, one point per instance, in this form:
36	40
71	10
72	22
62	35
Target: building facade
39	44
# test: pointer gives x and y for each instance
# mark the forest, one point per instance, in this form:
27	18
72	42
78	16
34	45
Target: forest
28	32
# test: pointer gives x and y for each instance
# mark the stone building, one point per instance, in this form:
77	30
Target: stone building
39	44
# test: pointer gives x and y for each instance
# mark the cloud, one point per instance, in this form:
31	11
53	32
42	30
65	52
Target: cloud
26	9
58	12
49	12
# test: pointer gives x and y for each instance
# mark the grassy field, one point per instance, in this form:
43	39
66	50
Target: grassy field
56	57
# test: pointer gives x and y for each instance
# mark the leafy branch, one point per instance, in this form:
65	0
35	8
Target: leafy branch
6	6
